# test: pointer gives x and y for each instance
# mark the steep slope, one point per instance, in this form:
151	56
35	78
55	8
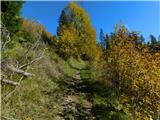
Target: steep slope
37	96
37	84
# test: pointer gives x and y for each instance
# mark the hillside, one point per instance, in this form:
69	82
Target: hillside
71	76
48	85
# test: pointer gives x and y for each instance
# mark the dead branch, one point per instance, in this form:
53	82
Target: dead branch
17	70
6	34
10	94
27	64
10	82
8	118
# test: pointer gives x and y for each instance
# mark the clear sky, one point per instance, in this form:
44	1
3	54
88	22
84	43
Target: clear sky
143	17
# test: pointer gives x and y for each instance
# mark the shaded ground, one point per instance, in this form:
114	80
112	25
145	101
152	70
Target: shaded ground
76	103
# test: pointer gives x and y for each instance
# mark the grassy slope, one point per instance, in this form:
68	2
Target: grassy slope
38	96
41	96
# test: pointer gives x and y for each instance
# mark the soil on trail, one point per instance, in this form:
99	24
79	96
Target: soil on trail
76	103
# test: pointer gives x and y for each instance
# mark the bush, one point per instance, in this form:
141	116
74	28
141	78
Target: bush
109	109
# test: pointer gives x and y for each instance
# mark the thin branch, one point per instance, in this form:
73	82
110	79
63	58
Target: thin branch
7	118
6	34
5	43
17	70
27	64
10	82
10	94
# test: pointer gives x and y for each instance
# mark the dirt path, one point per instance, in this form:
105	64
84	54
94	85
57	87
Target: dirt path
76	104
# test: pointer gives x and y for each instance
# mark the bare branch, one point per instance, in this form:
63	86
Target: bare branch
10	82
6	34
8	118
27	64
17	70
10	94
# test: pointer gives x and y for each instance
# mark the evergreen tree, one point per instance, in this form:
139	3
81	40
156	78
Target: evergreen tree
159	43
153	40
10	15
159	40
141	39
153	44
102	40
108	42
63	23
137	38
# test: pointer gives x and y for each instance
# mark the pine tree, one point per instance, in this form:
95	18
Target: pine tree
63	23
159	43
153	44
159	38
10	15
102	40
153	40
141	39
108	42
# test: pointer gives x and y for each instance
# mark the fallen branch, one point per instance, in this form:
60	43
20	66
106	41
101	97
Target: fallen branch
17	70
10	82
6	97
8	118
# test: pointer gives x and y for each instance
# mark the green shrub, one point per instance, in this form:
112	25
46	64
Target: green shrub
109	109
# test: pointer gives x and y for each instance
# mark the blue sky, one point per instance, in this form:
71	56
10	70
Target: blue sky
143	17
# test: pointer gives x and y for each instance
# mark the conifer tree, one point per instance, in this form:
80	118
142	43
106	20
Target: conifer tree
10	15
102	40
153	44
63	23
108	42
153	40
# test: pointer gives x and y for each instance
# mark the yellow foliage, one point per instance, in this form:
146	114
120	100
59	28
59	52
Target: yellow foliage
75	26
134	74
35	28
67	43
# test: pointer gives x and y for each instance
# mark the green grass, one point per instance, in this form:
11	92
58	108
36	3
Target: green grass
38	96
77	64
69	66
85	74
